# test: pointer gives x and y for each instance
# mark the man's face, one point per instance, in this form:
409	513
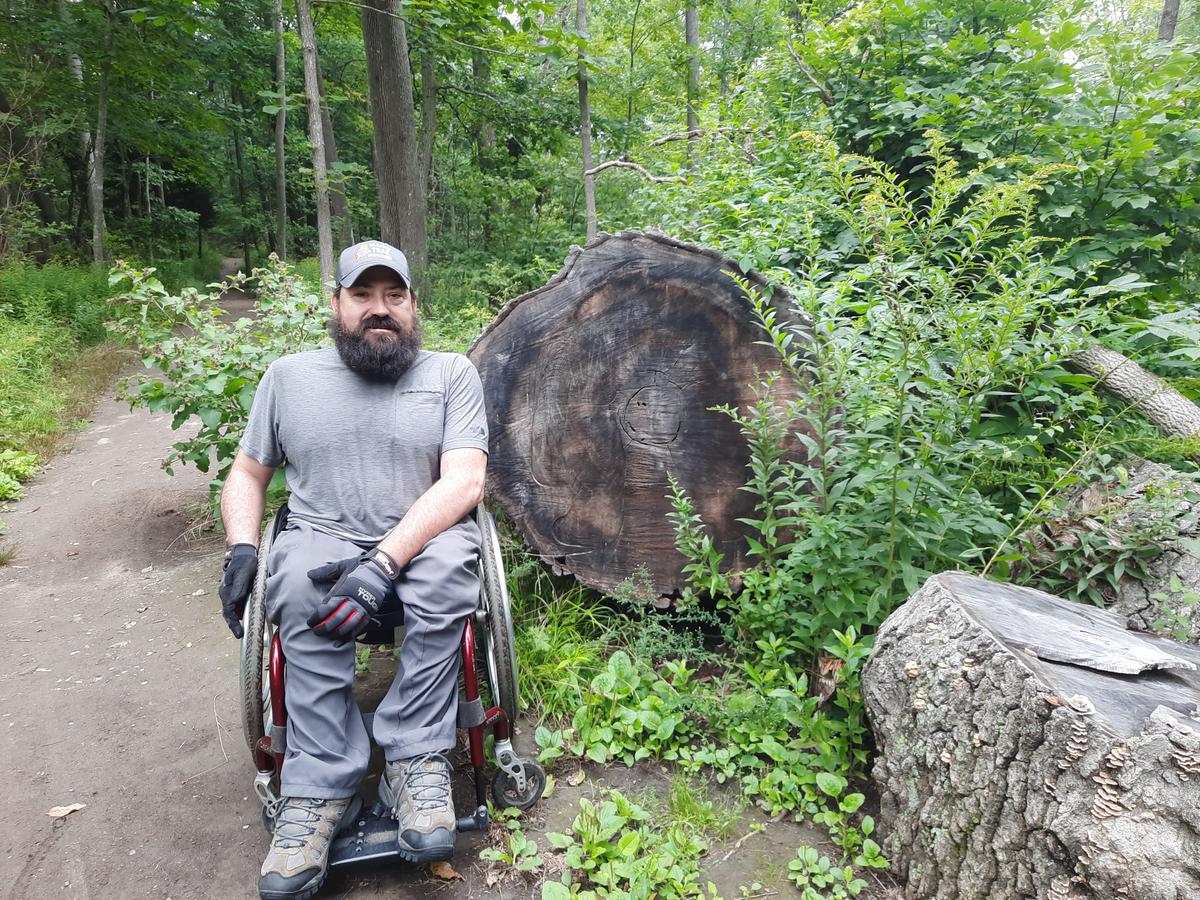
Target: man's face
375	325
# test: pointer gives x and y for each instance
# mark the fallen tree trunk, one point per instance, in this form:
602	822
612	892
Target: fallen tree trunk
1153	503
1168	409
1031	747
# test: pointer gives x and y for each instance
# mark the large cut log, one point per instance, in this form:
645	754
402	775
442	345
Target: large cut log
1033	748
602	382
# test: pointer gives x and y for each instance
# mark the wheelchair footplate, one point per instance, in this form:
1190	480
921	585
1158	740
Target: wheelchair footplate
372	836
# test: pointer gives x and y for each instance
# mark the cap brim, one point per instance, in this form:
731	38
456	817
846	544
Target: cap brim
355	273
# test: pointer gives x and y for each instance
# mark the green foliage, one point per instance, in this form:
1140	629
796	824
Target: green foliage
1023	83
614	850
15	466
211	368
71	297
518	852
819	879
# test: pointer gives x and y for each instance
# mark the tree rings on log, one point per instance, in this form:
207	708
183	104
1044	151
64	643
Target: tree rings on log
1032	747
602	382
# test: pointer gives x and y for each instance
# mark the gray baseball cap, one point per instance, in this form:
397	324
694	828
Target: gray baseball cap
362	256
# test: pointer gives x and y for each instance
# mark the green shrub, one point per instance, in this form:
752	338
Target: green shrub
69	296
211	368
29	352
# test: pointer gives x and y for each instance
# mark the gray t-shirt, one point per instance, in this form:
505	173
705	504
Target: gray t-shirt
357	453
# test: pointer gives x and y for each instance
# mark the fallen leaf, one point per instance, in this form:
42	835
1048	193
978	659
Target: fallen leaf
575	779
551	783
58	811
444	871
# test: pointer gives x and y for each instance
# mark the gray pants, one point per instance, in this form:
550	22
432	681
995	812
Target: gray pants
327	744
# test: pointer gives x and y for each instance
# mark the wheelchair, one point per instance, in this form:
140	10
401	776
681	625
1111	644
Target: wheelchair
517	783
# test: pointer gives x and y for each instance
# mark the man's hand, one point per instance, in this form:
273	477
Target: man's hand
241	563
362	585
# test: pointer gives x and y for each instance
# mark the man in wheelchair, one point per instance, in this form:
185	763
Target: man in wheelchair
384	448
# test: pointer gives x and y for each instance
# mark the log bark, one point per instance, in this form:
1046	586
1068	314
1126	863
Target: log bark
601	382
1172	412
1031	747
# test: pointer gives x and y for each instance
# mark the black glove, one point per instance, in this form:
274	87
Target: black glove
241	563
363	584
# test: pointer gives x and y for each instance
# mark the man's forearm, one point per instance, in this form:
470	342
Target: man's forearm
445	503
243	501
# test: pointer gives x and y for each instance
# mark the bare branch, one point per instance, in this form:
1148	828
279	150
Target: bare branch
695	132
624	164
822	91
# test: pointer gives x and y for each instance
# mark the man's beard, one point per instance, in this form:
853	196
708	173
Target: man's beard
374	359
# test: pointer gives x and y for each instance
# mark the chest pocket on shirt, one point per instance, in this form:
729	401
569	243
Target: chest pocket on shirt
419	419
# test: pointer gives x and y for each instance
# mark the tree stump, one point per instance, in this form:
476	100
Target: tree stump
601	382
1031	747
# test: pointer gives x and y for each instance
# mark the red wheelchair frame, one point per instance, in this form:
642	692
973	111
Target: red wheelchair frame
518	782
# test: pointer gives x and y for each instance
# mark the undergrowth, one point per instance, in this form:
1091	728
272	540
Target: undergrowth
938	421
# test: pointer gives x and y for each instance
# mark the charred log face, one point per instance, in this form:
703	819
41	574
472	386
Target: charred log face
602	382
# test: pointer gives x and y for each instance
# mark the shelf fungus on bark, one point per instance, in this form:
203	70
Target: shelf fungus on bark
1069	771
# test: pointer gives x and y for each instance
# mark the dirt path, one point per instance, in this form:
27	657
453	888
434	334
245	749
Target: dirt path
118	691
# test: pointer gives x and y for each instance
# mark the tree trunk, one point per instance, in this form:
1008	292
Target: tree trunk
402	205
1032	747
1172	412
338	207
604	380
585	123
281	215
692	30
428	121
312	95
239	180
1168	20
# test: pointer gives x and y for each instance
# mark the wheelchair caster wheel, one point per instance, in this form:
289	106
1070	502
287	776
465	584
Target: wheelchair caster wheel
504	787
268	821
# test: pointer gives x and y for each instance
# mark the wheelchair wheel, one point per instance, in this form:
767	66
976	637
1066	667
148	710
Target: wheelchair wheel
504	787
500	653
254	673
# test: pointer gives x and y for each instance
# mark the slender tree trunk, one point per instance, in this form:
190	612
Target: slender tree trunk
338	206
1168	20
428	121
96	162
485	136
585	123
240	180
316	137
281	215
692	36
402	204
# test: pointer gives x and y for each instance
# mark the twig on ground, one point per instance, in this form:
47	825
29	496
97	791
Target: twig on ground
749	834
205	772
217	719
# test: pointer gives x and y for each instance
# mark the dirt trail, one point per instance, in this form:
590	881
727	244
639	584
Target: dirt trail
118	690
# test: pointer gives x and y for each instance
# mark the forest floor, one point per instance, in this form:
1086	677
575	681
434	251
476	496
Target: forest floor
118	687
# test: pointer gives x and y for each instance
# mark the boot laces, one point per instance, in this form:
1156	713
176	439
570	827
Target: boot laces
296	822
427	781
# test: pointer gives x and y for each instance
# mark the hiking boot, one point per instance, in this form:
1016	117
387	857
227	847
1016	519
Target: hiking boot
417	791
296	865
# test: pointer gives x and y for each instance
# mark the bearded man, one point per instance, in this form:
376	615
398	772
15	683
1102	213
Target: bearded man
385	450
